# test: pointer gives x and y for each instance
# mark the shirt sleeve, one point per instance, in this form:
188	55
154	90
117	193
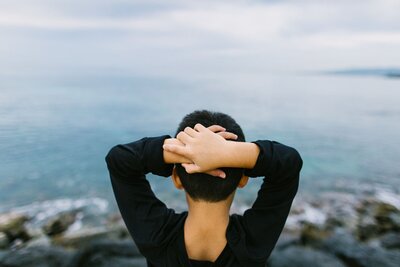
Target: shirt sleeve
280	165
146	217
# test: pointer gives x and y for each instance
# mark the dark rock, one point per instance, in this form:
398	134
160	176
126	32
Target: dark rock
4	242
59	224
13	225
42	241
101	261
302	257
388	217
35	257
114	218
367	228
339	209
352	253
334	222
391	240
376	218
108	253
12	222
313	234
2	254
116	221
83	237
287	239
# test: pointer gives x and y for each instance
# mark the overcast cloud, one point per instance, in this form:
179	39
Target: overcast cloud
194	39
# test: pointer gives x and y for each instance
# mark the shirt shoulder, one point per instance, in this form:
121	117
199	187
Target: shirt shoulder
166	237
242	245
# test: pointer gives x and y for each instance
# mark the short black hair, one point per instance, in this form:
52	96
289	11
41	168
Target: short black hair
202	186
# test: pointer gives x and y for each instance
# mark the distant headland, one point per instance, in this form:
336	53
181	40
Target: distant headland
393	73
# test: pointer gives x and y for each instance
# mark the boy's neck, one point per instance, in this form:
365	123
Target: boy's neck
208	217
205	229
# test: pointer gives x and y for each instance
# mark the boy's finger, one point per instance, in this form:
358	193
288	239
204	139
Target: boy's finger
190	167
228	135
191	132
183	137
216	128
198	127
173	141
193	168
177	149
217	173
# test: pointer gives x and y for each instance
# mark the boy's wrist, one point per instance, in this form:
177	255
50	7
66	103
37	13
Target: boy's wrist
227	154
239	155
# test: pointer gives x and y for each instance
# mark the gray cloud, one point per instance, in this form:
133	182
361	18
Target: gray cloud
195	38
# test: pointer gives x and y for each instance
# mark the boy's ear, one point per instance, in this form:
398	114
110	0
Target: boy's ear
243	181
177	181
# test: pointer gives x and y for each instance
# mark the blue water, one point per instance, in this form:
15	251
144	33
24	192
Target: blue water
54	133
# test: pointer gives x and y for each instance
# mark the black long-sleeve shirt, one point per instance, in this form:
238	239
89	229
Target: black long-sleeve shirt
158	230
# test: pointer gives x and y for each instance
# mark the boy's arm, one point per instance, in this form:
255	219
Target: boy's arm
280	166
145	216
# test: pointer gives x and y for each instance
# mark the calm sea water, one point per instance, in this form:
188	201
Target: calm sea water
54	134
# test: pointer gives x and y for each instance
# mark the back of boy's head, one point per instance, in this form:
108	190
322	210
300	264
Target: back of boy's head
202	186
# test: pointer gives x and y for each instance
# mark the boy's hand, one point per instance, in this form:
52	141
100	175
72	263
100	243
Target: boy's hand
170	157
202	146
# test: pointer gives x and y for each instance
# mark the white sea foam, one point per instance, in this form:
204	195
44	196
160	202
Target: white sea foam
41	211
388	196
308	214
78	224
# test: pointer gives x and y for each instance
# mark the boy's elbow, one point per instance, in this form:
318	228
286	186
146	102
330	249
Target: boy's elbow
112	156
298	161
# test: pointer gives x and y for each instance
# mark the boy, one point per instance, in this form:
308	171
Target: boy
209	164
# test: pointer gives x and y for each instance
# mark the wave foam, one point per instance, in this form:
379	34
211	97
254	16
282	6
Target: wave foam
41	211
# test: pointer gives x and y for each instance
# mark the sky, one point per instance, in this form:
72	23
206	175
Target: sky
189	39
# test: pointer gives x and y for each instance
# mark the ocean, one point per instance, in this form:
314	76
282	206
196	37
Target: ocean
55	132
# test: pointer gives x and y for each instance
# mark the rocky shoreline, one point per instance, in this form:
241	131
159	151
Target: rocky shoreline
335	229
